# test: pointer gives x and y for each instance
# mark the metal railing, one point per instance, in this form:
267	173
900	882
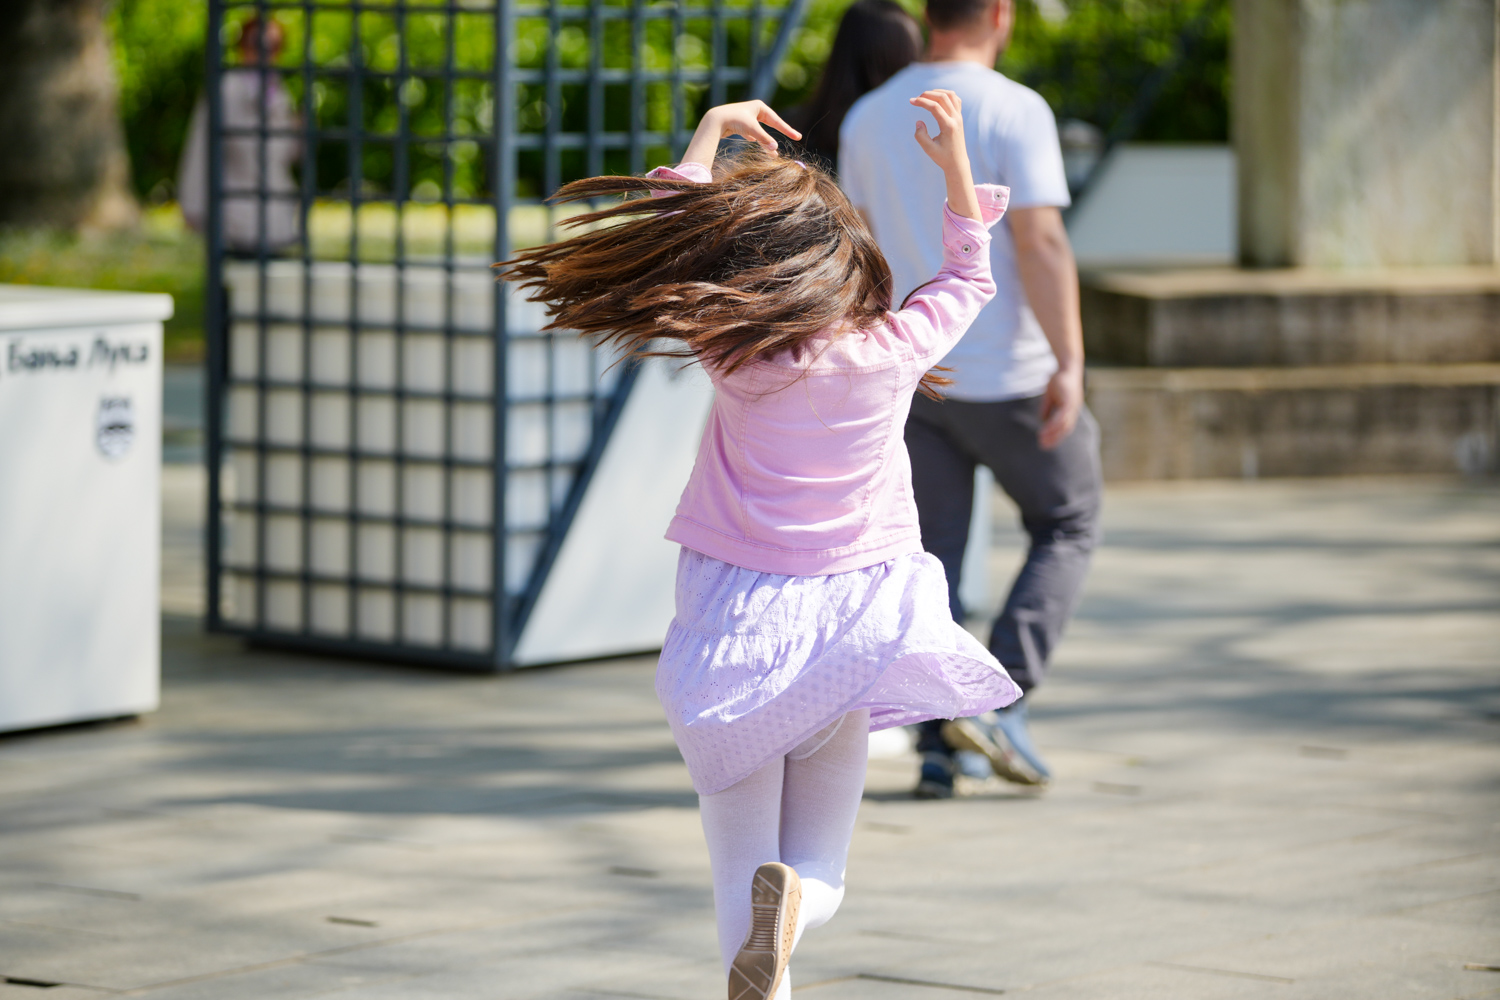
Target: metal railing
396	448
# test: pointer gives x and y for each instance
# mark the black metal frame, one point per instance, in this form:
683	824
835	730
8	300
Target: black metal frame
282	291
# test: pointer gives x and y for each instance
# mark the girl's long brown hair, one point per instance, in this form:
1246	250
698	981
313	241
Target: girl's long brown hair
749	266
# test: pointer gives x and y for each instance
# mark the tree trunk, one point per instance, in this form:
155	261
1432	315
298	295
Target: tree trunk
62	147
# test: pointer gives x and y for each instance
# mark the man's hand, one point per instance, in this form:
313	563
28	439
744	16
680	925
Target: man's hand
1061	404
947	149
742	119
1045	263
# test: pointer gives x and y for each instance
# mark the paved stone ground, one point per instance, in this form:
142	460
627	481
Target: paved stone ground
1275	726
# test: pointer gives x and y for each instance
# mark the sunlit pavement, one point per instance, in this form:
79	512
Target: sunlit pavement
1275	725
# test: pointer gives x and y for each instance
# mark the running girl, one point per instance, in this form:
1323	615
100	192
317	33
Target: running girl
807	612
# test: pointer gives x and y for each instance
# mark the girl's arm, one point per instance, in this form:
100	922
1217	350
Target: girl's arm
947	149
742	119
936	315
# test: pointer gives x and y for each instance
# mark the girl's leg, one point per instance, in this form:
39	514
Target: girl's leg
820	798
799	810
741	826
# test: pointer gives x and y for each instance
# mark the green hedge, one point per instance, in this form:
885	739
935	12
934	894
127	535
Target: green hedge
1092	64
159	61
1088	64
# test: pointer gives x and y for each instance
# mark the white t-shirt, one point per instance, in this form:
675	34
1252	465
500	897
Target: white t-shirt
1011	135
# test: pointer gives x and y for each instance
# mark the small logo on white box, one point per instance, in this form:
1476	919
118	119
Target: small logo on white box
116	425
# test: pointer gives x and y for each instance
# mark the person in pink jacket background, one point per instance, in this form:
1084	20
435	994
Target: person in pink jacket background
807	612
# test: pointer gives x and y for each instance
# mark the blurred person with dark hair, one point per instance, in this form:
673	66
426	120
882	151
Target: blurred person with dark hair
1016	400
876	40
250	98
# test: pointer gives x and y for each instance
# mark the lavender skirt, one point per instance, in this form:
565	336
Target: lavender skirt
755	663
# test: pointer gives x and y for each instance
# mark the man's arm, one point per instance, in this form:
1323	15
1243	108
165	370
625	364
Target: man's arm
1044	259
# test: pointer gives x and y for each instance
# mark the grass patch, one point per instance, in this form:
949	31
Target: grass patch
161	255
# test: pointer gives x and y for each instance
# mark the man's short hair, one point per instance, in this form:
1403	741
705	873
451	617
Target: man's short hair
946	15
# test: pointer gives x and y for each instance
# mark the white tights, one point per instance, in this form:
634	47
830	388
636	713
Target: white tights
799	810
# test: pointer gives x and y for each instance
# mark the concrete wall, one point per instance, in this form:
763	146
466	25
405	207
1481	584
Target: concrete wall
1367	132
1211	423
1232	317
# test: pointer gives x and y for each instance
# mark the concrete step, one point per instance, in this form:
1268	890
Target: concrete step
1203	423
1226	317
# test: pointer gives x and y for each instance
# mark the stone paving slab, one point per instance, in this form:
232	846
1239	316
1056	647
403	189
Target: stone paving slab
1275	728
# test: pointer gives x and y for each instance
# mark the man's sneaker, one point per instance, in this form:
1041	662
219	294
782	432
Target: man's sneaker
936	781
775	898
973	765
1005	739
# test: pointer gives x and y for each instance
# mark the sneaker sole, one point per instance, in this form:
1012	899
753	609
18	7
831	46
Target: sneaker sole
775	898
961	734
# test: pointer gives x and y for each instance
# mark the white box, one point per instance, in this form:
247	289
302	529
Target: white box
80	504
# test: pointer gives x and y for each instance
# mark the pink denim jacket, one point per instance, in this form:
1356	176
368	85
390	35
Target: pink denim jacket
802	469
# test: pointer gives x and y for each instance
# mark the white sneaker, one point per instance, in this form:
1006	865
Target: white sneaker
775	898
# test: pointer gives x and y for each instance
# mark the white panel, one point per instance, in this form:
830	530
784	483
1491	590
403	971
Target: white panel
422	365
376	548
240	483
239	598
526	368
80	521
526	499
330	484
611	589
377	615
422	556
422	491
284	480
473	365
244	350
377	360
1157	203
330	419
329	544
376	488
423	619
330	357
470	558
471	430
284	416
284	352
470	624
330	610
243	421
284	543
239	539
375	424
284	605
472	489
422	428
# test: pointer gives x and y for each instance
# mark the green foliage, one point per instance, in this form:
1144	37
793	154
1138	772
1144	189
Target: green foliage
159	62
1088	64
160	54
1092	63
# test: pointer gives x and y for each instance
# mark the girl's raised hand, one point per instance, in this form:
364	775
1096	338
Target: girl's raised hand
947	148
743	119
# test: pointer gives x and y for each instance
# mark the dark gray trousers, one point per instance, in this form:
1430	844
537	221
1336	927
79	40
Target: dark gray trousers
1058	492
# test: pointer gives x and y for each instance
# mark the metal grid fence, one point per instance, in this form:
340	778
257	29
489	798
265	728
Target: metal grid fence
396	449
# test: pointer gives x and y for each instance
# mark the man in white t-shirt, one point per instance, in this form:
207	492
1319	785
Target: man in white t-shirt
1016	402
